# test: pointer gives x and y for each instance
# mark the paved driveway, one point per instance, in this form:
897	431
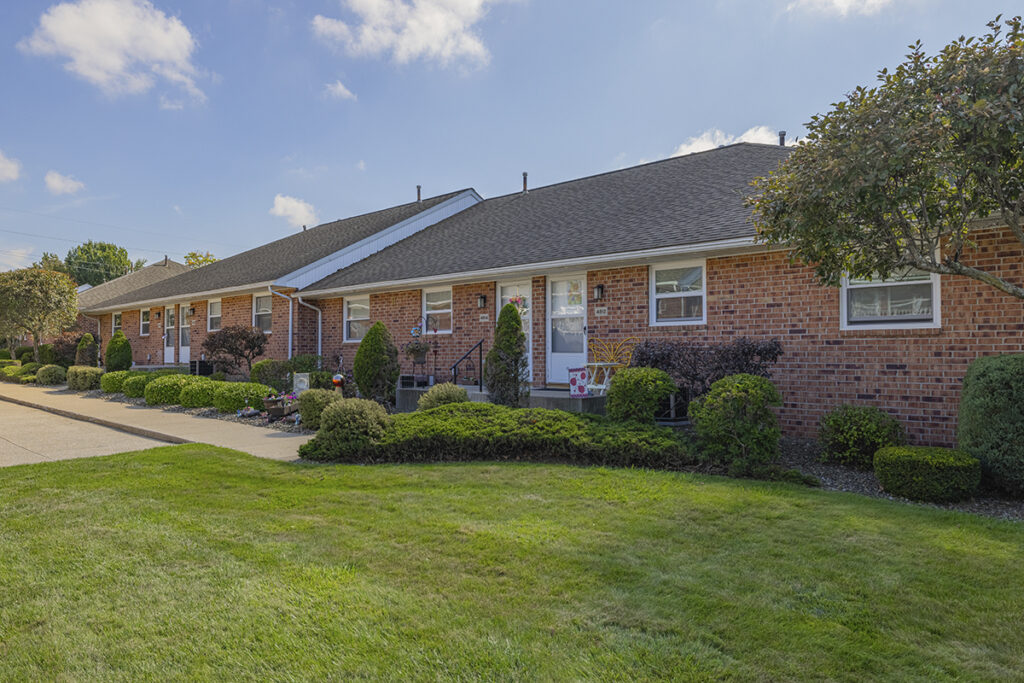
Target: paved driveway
28	435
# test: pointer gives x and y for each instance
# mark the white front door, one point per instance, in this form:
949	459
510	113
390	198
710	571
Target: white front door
169	335
185	333
567	327
519	293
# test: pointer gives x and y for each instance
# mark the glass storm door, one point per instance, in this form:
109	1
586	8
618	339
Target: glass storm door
185	332
521	292
567	327
169	333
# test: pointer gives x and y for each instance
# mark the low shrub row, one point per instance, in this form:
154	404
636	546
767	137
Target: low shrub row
84	377
936	475
312	404
51	375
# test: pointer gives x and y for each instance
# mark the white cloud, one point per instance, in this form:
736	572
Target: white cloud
62	184
361	165
12	259
432	30
122	46
10	169
339	91
177	210
843	8
714	137
296	211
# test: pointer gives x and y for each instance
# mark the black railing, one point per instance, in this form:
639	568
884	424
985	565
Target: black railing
479	347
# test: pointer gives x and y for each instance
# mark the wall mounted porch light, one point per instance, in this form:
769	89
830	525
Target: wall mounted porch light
598	292
481	301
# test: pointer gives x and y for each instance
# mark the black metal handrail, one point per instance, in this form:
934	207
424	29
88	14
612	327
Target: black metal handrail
479	346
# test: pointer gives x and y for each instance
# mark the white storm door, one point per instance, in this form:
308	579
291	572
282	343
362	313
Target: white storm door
169	335
522	293
567	327
184	333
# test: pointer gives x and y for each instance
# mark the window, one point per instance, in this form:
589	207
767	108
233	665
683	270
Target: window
144	323
357	318
261	306
677	294
906	301
437	310
213	316
115	324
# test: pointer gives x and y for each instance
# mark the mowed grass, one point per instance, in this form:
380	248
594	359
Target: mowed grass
197	562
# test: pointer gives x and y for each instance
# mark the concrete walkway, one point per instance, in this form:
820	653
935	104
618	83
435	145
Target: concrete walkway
154	423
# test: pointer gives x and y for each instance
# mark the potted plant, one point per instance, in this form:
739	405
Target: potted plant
418	348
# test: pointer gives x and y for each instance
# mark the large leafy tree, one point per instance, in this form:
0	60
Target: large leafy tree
94	263
40	302
901	175
198	259
51	261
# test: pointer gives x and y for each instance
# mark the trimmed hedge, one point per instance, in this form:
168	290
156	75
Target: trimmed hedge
6	362
484	431
991	424
198	394
349	427
232	396
636	393
29	368
10	373
27	379
50	375
934	475
134	386
442	394
312	403
851	435
119	353
112	382
167	389
84	377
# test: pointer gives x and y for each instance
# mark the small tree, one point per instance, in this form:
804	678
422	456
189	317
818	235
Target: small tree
198	259
39	302
234	344
88	351
119	353
506	370
375	367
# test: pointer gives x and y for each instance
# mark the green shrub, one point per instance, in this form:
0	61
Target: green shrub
5	354
734	423
198	394
935	475
111	382
218	376
134	386
312	403
232	396
10	373
273	373
51	375
321	379
850	435
636	393
47	356
347	428
442	394
991	425
6	362
166	390
28	357
119	353
376	366
84	377
306	362
28	369
506	368
87	351
27	379
20	351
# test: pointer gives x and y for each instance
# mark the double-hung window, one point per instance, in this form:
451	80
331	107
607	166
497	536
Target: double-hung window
905	301
357	318
437	310
115	323
144	323
261	312
212	316
677	294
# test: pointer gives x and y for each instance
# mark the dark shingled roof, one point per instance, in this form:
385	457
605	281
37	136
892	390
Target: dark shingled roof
680	201
271	261
94	297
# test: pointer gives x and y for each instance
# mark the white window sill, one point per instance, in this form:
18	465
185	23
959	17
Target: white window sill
678	323
853	327
437	332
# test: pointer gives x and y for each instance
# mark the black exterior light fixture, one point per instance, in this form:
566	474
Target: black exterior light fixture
598	292
481	301
158	315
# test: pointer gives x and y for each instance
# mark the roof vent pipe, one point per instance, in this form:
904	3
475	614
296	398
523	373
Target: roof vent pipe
524	183
419	195
165	259
782	138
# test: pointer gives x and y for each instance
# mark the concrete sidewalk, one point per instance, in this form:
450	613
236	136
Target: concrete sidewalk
155	423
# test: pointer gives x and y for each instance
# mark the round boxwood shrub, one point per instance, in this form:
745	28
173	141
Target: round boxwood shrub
51	375
735	425
991	424
850	435
198	394
28	357
232	396
134	386
84	377
935	475
312	403
167	389
636	393
346	428
87	351
273	373
28	368
376	366
119	353
112	382
442	394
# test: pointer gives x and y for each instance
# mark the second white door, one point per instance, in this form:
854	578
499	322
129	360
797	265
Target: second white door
567	327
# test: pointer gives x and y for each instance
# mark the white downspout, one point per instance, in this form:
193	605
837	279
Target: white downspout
319	325
289	300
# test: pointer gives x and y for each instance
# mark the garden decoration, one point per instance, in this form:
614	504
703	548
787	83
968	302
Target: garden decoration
520	302
417	348
607	358
280	405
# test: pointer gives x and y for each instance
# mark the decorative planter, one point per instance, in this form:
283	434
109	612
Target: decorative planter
276	407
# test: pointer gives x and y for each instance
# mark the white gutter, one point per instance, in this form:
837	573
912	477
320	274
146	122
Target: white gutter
188	296
319	325
289	300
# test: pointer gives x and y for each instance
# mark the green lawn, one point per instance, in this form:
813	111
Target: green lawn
197	562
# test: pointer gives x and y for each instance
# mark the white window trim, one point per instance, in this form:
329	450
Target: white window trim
150	321
114	328
344	319
933	324
254	297
450	310
652	297
221	316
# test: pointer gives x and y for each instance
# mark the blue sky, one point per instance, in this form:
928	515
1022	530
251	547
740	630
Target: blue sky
174	125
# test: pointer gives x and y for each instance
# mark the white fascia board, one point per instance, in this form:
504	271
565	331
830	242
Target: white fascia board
707	249
318	270
178	298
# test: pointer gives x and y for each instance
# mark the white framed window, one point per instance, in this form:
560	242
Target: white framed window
357	318
437	310
904	302
144	323
115	323
261	312
678	293
213	315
